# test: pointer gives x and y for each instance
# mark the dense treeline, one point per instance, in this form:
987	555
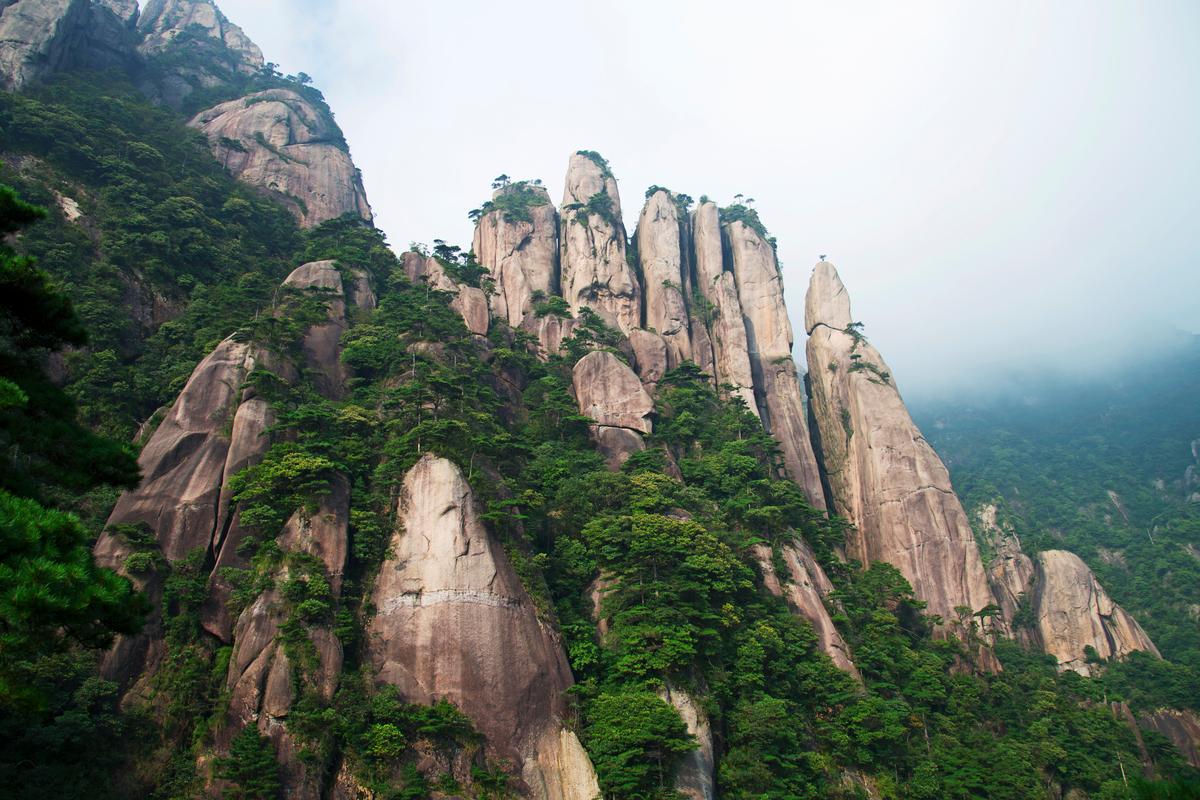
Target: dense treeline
666	539
1097	467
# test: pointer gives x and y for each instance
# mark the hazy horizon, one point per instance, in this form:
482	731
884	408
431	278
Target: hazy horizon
1002	189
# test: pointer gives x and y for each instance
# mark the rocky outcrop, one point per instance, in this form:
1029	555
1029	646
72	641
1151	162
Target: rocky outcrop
610	393
39	38
162	21
280	142
469	301
1191	476
651	358
731	353
454	622
1074	613
595	273
661	256
1181	727
520	254
1010	573
694	776
769	347
805	588
883	476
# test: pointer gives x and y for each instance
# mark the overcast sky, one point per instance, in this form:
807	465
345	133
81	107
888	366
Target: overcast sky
1000	187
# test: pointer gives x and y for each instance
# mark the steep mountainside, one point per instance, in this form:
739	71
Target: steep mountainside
544	519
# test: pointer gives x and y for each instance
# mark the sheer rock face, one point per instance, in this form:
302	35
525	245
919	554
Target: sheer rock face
1191	476
470	302
610	393
454	622
884	476
1010	573
278	141
769	346
594	270
163	20
805	589
661	257
731	353
321	342
694	775
550	332
651	357
521	256
38	38
1074	612
1181	727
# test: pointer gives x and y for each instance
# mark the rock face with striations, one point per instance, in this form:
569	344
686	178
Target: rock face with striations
1074	612
38	38
883	475
278	141
520	254
1010	573
769	347
469	301
216	427
661	256
805	588
731	353
454	622
595	273
694	777
163	20
611	394
1181	727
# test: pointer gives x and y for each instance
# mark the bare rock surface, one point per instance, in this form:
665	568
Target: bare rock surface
550	331
769	347
522	256
1010	573
609	392
470	302
884	476
651	358
805	589
277	141
162	21
595	273
694	776
454	622
661	255
38	38
1182	727
1074	612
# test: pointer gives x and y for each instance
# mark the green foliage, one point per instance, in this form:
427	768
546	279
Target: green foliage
250	766
748	216
635	739
514	202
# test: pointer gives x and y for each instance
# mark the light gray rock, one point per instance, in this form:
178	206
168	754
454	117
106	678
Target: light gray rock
805	589
38	38
610	393
522	256
279	142
731	352
162	21
694	777
661	256
1074	612
884	476
453	621
769	343
595	273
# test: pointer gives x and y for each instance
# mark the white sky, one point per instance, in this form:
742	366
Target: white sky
1000	185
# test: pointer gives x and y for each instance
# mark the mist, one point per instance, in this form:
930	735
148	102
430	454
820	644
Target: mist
1005	189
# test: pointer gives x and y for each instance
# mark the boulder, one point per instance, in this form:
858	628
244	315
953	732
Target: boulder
661	256
805	589
1074	612
521	255
453	621
883	476
278	141
609	392
651	358
595	273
